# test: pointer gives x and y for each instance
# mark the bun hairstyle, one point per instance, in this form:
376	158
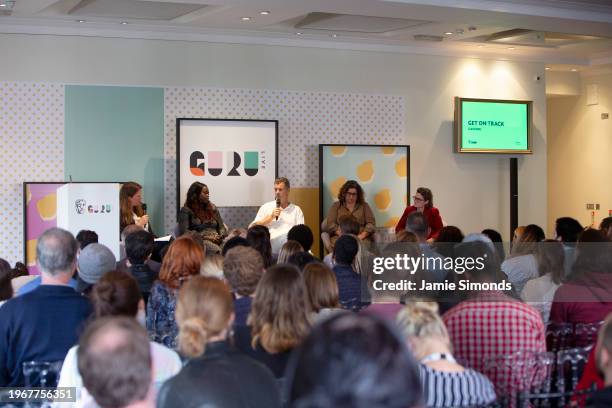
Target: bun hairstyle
116	294
421	319
203	310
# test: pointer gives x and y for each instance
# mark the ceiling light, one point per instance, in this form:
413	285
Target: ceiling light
459	31
511	48
448	33
264	13
124	23
334	35
2	5
245	18
574	70
481	46
80	21
547	68
298	33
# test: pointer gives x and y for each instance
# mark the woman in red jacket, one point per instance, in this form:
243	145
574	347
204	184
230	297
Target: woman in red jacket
423	202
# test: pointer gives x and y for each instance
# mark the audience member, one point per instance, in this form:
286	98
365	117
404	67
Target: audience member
279	215
279	318
115	363
302	234
522	264
93	262
349	282
445	382
44	323
86	237
301	259
234	242
540	292
586	296
182	261
446	240
423	204
490	324
322	291
117	294
200	215
351	202
289	248
606	228
243	267
497	240
138	248
353	361
603	397
348	226
567	230
6	289
216	375
258	238
417	223
212	266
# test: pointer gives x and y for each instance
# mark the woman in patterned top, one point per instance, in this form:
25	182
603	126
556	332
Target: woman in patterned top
445	382
182	261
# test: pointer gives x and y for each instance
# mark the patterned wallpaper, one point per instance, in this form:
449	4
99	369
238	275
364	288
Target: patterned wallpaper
31	149
305	120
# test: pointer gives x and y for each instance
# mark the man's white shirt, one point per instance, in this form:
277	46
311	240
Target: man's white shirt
289	217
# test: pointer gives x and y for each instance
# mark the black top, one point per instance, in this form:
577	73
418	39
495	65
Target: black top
188	221
601	398
145	277
222	377
276	362
42	326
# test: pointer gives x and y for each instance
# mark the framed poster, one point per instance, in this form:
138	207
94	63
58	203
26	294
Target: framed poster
383	171
236	159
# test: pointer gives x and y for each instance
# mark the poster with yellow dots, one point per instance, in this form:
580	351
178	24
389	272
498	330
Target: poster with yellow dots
383	171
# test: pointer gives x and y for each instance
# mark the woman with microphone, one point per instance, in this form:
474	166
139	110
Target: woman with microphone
132	209
423	203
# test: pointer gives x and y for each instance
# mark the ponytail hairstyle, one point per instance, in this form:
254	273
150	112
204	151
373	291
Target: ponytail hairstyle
203	310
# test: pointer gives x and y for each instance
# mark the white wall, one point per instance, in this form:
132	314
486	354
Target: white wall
471	191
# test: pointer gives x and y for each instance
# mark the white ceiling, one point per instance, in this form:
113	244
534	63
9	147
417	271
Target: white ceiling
571	32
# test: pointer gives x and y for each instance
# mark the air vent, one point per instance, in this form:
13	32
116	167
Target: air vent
133	9
355	24
537	38
430	38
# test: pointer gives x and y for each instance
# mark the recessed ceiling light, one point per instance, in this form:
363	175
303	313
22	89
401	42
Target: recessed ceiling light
481	46
547	68
2	5
448	33
80	21
334	35
245	18
264	13
459	31
124	23
511	48
472	28
574	70
298	33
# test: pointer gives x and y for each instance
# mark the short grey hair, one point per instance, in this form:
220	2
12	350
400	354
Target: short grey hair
56	251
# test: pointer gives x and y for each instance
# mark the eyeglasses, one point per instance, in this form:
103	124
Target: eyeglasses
415	198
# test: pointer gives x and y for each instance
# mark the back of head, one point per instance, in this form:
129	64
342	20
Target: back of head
234	242
568	229
203	310
6	274
86	237
129	229
302	234
346	249
301	259
527	242
114	360
289	248
212	266
349	225
116	294
551	256
493	235
450	233
183	260
352	360
593	253
139	246
606	227
56	251
486	267
243	267
421	320
94	261
258	237
417	224
279	314
321	287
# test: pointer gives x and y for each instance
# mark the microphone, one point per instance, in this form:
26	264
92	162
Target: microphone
277	205
144	207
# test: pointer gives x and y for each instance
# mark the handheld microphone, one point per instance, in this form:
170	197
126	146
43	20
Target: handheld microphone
144	207
277	205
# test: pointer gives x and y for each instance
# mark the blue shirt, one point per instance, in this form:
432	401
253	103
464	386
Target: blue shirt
349	287
34	283
42	326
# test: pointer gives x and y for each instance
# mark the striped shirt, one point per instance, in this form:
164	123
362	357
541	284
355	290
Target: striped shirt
455	389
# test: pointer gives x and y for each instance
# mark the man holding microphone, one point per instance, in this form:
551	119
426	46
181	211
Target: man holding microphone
279	215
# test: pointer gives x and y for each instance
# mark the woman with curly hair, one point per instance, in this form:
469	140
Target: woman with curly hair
199	214
351	202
